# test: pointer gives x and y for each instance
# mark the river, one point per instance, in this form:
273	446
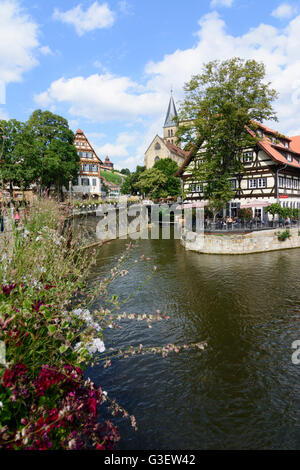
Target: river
243	391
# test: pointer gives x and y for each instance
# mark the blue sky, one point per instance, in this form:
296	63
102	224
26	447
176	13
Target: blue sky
108	67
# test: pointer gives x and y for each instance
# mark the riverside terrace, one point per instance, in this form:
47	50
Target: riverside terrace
236	225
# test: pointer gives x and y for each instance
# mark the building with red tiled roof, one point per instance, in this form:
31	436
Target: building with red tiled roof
88	181
107	164
271	173
166	146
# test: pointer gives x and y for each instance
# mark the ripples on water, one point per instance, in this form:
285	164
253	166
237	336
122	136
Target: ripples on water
243	391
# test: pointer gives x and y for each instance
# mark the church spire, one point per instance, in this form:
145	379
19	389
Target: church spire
171	113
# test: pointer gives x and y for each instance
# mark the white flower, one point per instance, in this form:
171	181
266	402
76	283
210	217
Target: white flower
1	404
96	346
77	346
95	326
78	312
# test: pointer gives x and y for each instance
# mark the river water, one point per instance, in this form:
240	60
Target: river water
243	391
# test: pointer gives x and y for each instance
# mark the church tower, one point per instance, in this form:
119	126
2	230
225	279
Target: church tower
170	126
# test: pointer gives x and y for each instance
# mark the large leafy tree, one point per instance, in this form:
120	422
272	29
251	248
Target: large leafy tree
153	183
130	184
19	161
54	141
168	167
219	105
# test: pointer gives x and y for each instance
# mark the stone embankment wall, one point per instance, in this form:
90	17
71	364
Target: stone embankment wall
239	243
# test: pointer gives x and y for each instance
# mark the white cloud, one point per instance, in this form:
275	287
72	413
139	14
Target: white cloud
95	17
125	7
284	11
105	97
18	41
221	3
3	114
119	148
45	50
102	97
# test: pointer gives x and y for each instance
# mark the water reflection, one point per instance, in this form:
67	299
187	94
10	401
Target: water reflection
242	392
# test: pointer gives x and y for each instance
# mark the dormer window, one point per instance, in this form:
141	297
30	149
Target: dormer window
289	157
248	157
260	133
286	144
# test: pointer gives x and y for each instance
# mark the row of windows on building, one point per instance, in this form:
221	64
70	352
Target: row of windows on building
291	204
273	139
86	182
252	184
93	168
248	158
288	183
81	144
85	154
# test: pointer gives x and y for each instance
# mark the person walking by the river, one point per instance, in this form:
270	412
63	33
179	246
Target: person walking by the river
17	217
1	220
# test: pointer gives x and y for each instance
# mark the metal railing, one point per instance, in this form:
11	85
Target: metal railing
251	226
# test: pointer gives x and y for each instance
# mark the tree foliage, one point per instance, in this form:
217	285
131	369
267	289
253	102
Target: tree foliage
54	142
152	183
219	105
130	184
19	160
282	212
125	171
168	167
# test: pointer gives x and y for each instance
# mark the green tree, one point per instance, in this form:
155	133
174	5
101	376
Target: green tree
168	167
125	171
19	162
274	209
130	184
54	141
152	183
219	105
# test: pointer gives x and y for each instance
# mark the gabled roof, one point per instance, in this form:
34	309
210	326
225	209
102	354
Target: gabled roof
271	149
81	133
174	149
295	143
171	114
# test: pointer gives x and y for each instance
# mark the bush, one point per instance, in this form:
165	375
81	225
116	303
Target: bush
246	214
282	236
44	400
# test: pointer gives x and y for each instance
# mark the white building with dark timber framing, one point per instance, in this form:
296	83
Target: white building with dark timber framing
271	174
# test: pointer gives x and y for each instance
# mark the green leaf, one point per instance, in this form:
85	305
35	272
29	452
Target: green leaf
63	348
52	329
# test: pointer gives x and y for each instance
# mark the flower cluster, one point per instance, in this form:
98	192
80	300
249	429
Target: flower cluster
69	422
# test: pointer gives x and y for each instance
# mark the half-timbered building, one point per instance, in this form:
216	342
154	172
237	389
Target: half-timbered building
271	174
88	181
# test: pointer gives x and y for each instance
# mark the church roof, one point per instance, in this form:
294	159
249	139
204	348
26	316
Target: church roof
171	114
174	149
